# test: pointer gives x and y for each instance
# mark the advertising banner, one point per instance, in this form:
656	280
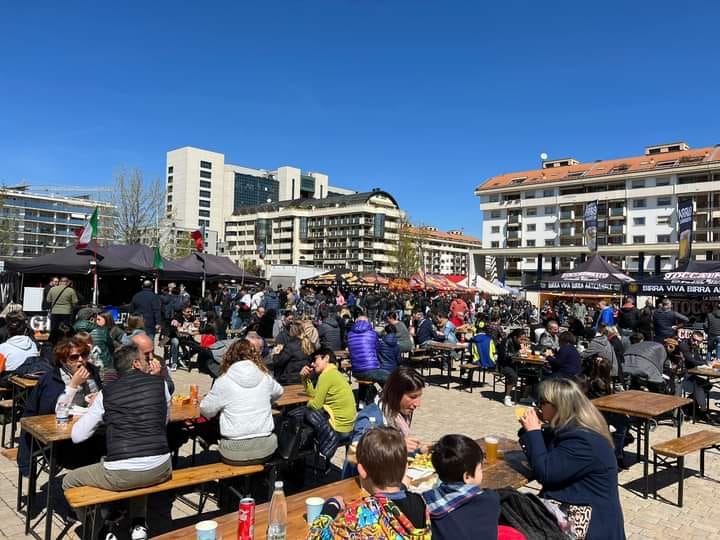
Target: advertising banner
591	226
685	225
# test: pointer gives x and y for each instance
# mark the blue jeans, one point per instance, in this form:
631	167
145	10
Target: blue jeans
375	375
174	351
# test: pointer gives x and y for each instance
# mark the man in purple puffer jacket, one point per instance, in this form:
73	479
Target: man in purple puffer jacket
362	345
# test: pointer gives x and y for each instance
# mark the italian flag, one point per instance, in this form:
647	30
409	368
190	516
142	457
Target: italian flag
89	232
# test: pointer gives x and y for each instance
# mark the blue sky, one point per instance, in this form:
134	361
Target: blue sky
424	99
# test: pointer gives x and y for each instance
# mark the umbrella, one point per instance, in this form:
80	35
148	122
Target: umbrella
374	278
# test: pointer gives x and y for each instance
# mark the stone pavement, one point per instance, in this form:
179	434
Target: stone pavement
445	411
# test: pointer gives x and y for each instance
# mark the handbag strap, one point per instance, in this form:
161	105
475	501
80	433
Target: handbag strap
58	297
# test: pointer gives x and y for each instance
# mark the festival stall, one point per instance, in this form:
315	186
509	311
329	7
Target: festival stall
695	279
337	277
436	282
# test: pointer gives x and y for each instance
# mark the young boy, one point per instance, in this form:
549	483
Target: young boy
390	512
459	507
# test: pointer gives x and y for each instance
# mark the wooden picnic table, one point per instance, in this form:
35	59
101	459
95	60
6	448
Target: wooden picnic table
646	406
447	360
45	432
499	474
294	394
21	387
705	371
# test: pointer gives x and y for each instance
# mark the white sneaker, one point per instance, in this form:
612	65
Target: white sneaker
110	536
139	532
509	402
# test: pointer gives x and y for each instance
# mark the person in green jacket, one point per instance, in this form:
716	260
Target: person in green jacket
62	301
101	354
331	411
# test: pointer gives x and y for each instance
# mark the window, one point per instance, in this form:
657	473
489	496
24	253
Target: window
169	189
170	179
549	210
205	184
663	238
531	212
205	165
662	181
531	227
170	169
664	201
638	221
550	227
495	244
495	214
638	239
530	243
205	174
204	213
638	184
639	203
575	174
493	198
169	198
203	223
530	195
495	229
204	204
663	220
665	164
548	193
205	194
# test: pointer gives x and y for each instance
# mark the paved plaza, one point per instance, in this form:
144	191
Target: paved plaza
475	414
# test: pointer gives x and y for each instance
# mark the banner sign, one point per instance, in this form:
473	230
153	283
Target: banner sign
683	284
579	286
685	225
591	226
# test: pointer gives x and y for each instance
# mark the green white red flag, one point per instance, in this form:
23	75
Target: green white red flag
89	232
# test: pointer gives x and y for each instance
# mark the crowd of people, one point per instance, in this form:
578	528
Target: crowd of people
253	343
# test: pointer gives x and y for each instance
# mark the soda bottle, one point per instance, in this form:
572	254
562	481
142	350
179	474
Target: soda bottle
277	521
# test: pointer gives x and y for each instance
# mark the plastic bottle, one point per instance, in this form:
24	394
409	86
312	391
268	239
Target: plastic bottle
373	423
62	415
277	521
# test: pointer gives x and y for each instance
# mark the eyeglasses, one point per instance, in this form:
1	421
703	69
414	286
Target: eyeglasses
77	357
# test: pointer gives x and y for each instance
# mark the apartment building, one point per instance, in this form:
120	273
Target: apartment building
536	217
202	190
36	224
445	252
358	231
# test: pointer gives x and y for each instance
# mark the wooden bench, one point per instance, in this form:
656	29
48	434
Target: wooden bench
92	497
674	451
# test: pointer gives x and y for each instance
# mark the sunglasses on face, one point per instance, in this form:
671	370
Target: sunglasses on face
77	357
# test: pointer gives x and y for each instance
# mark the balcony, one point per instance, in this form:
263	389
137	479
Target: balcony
566	215
614	230
513	235
513	220
616	213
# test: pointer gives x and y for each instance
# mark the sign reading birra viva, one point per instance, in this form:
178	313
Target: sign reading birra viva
685	225
591	226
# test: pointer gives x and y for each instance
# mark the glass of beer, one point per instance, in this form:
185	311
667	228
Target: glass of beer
194	394
491	448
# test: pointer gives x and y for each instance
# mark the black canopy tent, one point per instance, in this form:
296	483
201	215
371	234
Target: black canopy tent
216	268
695	279
596	275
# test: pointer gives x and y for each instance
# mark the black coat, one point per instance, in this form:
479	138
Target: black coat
148	304
286	366
330	334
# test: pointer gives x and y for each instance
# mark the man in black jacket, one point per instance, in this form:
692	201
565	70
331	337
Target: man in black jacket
135	409
148	304
329	332
712	325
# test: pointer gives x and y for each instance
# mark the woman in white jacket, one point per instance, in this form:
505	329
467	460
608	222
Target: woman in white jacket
243	395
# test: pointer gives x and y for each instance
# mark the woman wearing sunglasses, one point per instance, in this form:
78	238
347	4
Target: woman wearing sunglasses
73	380
574	460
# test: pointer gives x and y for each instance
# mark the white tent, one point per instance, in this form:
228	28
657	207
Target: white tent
483	285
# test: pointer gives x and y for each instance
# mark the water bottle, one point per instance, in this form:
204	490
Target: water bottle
373	423
277	522
62	414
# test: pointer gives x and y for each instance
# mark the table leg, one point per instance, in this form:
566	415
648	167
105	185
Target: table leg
13	417
639	438
32	479
681	419
449	363
647	457
51	477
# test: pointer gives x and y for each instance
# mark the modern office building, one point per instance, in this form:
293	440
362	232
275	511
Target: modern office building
41	223
358	231
204	191
446	253
539	213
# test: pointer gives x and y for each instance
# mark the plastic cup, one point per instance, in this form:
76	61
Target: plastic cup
520	412
313	507
206	530
491	448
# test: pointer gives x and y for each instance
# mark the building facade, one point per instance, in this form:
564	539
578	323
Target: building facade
202	190
358	231
534	218
446	253
39	224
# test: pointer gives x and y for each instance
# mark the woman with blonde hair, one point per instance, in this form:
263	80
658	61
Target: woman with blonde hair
574	460
290	358
243	395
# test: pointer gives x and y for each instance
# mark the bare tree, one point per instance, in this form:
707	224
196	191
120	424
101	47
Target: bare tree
138	206
406	253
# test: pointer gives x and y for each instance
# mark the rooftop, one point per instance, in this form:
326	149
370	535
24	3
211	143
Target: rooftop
327	202
440	235
600	168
